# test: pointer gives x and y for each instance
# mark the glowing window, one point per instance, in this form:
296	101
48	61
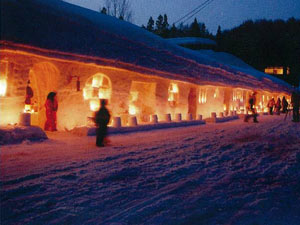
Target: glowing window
277	70
173	94
202	95
97	87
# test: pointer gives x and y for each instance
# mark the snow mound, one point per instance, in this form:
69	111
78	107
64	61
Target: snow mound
18	134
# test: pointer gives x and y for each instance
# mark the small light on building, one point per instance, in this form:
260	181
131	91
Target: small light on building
132	110
94	104
3	86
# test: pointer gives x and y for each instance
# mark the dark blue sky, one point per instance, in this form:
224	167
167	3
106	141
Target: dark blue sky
226	13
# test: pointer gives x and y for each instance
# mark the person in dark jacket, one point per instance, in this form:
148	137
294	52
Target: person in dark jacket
278	106
295	103
285	105
102	118
271	105
252	103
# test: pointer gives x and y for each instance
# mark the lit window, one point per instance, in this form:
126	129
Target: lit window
202	95
173	94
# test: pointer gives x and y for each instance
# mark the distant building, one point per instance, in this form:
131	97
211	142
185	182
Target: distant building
277	70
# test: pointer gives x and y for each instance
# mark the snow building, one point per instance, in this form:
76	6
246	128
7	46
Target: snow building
85	56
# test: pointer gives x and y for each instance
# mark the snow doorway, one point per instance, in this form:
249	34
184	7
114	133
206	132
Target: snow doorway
97	87
44	78
192	102
142	100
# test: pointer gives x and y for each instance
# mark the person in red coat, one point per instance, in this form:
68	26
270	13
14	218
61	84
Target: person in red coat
51	109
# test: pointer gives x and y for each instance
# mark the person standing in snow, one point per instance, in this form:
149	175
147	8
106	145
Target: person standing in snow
252	102
102	118
295	103
271	104
51	109
285	105
278	106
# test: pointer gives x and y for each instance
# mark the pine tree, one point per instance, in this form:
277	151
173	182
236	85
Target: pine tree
165	27
195	29
159	25
104	10
173	31
150	24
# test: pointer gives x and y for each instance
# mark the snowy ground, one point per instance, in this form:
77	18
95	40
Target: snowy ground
227	173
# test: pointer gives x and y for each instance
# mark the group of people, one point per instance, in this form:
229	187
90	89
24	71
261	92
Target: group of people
102	116
278	105
101	119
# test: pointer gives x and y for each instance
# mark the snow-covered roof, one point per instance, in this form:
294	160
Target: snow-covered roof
60	27
191	40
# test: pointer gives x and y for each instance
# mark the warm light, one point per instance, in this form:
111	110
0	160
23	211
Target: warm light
28	109
202	96
216	94
3	86
132	110
103	93
97	81
225	107
94	104
174	88
173	93
88	93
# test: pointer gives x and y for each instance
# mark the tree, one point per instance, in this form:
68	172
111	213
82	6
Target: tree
119	8
104	10
159	25
195	29
165	26
150	24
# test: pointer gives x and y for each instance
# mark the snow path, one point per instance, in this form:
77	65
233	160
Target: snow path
227	173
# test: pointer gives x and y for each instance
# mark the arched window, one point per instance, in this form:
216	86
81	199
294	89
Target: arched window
97	87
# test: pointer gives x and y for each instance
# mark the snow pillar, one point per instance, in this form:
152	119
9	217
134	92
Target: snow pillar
153	119
199	117
168	117
214	115
132	121
221	114
189	116
25	119
178	117
117	122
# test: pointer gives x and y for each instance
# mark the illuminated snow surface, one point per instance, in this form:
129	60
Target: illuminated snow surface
227	173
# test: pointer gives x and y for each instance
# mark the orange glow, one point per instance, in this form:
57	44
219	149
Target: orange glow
132	110
202	96
97	81
3	86
104	93
94	104
28	109
276	70
173	92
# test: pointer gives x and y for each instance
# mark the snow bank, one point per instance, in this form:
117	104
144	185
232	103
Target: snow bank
17	134
223	173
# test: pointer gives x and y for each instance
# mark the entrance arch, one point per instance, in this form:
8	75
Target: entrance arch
44	78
